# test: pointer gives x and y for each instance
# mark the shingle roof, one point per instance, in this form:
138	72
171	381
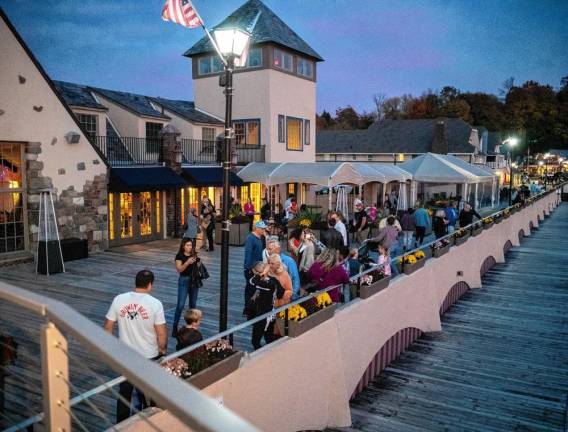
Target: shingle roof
269	28
187	110
77	95
136	103
396	136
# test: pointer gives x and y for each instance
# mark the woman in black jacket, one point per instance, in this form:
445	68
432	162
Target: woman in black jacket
263	302
440	224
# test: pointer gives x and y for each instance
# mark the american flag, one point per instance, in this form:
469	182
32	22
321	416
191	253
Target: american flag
181	12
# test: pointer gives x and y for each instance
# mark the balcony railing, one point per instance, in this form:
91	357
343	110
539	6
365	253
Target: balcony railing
149	151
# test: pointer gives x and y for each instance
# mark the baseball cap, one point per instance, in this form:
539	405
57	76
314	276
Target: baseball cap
260	224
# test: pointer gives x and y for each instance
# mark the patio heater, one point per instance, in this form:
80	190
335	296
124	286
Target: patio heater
232	43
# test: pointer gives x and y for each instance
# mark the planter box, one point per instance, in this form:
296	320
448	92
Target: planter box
489	225
498	220
297	328
216	372
506	216
461	240
237	235
366	291
409	269
476	231
437	253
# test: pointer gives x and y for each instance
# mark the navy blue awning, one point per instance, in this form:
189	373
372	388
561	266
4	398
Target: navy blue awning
208	176
144	179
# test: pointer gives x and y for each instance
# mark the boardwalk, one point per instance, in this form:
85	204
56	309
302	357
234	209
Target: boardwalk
501	360
89	286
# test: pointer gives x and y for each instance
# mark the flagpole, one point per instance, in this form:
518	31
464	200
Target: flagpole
213	42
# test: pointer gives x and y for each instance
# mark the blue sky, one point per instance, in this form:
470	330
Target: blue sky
389	46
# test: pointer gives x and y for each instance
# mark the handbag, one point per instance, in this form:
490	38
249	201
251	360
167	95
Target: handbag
202	271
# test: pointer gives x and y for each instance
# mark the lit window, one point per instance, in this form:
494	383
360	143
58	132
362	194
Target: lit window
182	204
145	216
247	132
111	216
401	157
305	68
158	214
293	134
126	215
283	60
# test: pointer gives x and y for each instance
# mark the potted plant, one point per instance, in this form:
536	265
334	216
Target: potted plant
476	229
205	365
487	222
372	282
412	262
440	248
306	316
461	236
238	231
506	213
498	218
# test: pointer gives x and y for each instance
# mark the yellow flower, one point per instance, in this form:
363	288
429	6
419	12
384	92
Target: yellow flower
408	259
295	313
323	300
305	223
419	255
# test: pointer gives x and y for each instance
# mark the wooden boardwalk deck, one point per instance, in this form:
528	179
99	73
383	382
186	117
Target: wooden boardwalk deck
89	286
501	360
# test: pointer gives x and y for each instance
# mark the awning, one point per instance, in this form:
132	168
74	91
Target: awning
144	179
208	176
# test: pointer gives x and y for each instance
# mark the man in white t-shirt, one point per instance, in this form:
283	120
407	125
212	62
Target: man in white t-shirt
141	326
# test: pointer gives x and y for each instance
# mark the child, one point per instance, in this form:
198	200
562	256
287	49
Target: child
384	260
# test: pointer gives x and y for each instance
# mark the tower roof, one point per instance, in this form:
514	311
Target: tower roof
268	28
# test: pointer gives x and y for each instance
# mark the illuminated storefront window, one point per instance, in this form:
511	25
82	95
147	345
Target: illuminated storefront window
12	226
111	216
145	213
125	215
182	205
158	214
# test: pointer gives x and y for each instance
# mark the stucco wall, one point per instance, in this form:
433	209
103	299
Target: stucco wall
31	112
190	130
305	383
264	94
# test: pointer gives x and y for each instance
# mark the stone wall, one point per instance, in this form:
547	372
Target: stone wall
79	214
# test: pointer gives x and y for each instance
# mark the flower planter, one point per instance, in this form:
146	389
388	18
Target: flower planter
488	225
498	220
506	215
297	328
476	231
437	253
216	372
461	240
411	268
366	291
238	233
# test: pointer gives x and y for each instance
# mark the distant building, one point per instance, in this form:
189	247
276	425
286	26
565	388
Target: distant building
394	141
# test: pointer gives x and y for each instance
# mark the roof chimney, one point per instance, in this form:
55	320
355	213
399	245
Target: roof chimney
440	140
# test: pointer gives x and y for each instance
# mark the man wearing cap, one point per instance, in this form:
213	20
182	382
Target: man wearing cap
253	254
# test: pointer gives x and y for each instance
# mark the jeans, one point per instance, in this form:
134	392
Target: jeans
259	330
407	239
183	290
420	233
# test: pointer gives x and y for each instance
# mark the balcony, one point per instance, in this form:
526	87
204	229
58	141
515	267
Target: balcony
125	151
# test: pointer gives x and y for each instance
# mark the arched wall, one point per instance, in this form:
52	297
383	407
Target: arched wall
507	247
458	290
521	235
326	365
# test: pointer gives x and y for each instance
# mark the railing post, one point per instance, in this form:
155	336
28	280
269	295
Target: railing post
55	373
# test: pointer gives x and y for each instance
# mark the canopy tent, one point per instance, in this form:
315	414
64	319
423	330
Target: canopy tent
435	168
322	173
391	172
482	174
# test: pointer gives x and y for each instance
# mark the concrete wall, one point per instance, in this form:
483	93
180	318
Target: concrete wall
305	383
32	112
264	94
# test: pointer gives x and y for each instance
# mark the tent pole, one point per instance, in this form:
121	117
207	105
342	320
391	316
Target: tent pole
330	189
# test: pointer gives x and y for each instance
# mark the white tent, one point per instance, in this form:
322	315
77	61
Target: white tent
434	168
392	172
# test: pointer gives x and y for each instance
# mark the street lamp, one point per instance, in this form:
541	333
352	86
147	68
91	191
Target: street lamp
232	43
511	142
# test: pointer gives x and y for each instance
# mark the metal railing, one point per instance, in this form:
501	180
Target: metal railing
149	151
188	404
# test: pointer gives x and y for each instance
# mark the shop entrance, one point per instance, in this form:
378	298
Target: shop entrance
134	217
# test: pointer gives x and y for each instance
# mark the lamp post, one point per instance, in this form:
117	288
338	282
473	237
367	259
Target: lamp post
511	142
232	43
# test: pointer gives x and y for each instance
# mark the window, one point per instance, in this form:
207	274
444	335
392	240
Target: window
254	58
111	216
153	137
12	199
306	132
247	132
158	213
89	124
281	129
283	60
208	134
354	157
305	68
209	65
369	157
293	134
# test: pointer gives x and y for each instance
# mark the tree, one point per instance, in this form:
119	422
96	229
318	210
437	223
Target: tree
506	87
379	100
346	118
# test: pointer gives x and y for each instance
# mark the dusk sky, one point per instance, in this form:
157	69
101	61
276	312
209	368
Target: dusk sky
370	46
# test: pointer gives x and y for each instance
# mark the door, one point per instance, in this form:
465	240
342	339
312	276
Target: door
134	217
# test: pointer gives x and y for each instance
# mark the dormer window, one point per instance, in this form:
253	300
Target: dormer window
254	58
210	65
283	60
305	67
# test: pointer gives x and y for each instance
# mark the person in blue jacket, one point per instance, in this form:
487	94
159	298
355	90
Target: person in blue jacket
422	221
452	216
253	253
